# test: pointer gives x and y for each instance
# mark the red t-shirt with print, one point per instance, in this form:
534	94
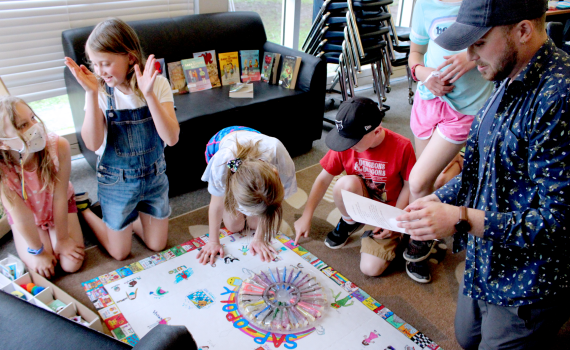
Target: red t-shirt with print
383	168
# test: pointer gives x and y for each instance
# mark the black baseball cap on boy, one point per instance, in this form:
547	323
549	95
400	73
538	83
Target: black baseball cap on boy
355	118
477	17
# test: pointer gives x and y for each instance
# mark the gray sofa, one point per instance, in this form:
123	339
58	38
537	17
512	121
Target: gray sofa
293	116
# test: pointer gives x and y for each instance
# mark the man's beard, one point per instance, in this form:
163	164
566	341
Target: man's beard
507	63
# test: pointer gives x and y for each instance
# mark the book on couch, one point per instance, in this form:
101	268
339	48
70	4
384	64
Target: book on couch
177	79
242	90
289	71
267	66
196	74
229	67
160	67
250	65
212	64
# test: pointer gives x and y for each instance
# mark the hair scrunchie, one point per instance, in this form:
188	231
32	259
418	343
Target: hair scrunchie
234	164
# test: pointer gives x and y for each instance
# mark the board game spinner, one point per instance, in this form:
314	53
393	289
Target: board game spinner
171	287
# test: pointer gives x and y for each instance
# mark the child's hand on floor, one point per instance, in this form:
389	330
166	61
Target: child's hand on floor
70	249
44	264
265	250
209	252
302	228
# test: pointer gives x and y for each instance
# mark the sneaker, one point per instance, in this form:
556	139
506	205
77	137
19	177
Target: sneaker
337	238
96	209
82	201
418	250
419	272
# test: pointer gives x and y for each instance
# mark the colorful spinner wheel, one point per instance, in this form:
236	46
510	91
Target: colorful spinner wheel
282	301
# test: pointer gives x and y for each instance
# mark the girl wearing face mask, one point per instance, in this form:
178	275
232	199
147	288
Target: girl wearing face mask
36	193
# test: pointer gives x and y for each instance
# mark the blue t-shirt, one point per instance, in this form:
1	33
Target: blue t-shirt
430	19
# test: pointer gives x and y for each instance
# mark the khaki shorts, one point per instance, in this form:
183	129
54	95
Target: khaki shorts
382	248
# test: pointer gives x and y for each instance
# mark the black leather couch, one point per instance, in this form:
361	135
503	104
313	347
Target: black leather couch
293	116
26	326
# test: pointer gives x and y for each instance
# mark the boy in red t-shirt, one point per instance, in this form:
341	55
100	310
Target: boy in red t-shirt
377	162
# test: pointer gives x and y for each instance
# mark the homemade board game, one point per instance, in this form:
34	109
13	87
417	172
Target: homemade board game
171	287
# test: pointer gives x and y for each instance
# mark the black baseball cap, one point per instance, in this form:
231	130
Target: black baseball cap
477	17
355	118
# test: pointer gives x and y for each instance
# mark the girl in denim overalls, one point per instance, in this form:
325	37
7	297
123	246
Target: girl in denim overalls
129	116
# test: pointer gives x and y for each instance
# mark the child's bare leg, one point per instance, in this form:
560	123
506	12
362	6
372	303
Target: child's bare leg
33	261
117	243
233	223
371	265
452	170
75	233
153	231
350	183
252	222
420	145
435	156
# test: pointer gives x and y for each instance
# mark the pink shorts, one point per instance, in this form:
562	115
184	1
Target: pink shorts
427	115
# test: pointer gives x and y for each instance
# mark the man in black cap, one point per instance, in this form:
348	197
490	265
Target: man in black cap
509	207
377	162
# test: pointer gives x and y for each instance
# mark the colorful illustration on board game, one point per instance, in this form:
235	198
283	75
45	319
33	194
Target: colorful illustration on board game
172	288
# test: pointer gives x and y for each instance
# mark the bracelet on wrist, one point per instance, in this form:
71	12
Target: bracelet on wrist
413	71
36	251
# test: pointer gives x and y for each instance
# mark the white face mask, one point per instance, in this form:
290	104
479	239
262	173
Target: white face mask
35	138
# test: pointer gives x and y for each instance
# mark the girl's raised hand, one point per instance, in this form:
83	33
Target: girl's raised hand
146	79
84	76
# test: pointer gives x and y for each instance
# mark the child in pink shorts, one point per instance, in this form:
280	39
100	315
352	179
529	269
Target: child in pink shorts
450	92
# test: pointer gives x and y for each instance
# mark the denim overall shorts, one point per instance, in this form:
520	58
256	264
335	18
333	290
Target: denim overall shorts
131	172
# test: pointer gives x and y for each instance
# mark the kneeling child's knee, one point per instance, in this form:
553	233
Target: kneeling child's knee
374	269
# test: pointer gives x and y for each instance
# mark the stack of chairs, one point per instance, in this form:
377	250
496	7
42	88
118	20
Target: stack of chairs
400	53
353	34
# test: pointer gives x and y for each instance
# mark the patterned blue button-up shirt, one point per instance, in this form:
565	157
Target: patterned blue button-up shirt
524	255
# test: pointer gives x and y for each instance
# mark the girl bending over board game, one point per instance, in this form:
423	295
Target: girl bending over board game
129	117
36	193
248	174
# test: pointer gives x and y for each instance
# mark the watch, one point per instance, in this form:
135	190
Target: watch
463	225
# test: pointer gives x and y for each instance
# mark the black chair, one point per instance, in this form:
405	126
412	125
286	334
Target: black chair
400	37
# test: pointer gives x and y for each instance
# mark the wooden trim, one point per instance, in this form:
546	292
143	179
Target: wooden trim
3	89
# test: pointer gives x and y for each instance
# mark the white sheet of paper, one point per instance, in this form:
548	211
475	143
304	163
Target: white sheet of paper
371	212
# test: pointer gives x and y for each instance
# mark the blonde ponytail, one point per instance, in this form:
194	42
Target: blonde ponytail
253	188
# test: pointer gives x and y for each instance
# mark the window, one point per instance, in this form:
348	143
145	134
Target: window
306	20
270	12
55	113
31	54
